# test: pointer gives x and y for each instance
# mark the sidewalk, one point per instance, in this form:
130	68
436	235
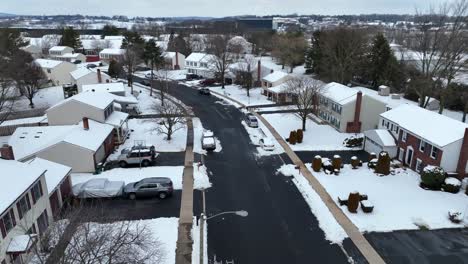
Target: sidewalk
351	230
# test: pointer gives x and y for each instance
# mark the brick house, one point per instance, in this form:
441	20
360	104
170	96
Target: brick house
426	138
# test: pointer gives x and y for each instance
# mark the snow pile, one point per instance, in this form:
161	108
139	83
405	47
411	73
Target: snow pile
316	137
144	131
239	94
196	242
255	134
452	181
399	202
333	231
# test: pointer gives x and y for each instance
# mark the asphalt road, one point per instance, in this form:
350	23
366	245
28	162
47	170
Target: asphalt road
280	227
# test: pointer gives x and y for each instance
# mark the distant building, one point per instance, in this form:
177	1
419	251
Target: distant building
58	72
255	24
57	51
107	55
201	64
174	60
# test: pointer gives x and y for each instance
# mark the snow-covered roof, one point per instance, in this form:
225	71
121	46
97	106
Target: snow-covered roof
382	136
113	51
195	56
339	93
171	55
20	244
279	88
275	76
105	87
430	126
80	72
55	172
71	55
18	178
22	121
48	64
27	141
388	100
59	48
117	118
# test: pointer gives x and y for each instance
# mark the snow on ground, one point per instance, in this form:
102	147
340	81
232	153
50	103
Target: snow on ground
399	202
316	137
45	98
197	133
165	230
129	175
175	75
196	242
239	94
270	63
144	130
146	103
262	131
333	231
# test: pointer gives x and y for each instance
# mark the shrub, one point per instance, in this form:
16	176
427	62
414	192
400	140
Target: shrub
372	156
372	163
383	163
352	142
432	177
317	163
292	138
300	135
354	162
336	162
455	216
353	202
451	185
327	166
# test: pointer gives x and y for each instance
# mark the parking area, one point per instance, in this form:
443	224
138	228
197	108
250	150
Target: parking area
164	159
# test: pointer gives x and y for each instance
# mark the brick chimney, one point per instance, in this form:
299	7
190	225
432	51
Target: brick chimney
85	123
357	109
99	77
259	71
176	67
463	158
7	152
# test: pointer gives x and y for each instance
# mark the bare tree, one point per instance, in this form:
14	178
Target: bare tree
132	57
164	77
48	41
223	55
246	67
306	92
441	44
6	98
32	79
171	118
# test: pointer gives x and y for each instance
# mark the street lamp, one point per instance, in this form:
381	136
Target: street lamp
241	213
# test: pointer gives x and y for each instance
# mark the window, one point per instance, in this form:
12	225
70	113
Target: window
23	206
8	222
419	165
434	152
422	145
43	222
391	127
36	191
404	136
383	122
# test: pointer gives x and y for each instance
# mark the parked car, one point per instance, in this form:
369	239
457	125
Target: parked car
204	91
76	61
145	82
192	76
149	187
137	155
251	120
267	144
91	66
208	141
98	188
142	68
208	82
148	75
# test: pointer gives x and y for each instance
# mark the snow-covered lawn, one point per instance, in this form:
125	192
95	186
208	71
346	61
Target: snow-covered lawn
197	135
255	134
175	75
144	130
128	175
146	103
316	137
239	94
333	231
399	202
45	98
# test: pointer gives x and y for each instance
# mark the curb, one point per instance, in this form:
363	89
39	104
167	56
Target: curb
366	249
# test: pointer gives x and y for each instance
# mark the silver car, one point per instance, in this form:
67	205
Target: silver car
149	187
208	140
138	155
251	120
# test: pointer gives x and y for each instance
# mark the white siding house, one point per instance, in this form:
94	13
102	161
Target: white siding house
58	51
85	76
107	55
58	72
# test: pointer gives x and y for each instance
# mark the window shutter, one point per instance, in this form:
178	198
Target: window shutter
18	206
2	228
33	196
29	202
40	187
13	219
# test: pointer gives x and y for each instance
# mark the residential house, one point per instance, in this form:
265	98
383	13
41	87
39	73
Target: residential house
24	209
58	51
72	57
349	110
81	146
34	50
275	88
378	140
174	60
58	72
201	64
426	138
252	66
98	106
84	76
107	55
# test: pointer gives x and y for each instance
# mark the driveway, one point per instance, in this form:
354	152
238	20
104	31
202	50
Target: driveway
280	227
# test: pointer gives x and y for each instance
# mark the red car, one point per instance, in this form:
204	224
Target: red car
208	82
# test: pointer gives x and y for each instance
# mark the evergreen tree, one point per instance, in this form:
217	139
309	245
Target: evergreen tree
109	30
171	44
381	60
309	61
132	39
71	38
315	52
152	56
115	69
10	41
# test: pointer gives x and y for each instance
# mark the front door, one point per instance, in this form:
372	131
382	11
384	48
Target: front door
409	157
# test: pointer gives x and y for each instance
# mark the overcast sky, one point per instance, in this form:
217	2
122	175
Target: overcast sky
212	8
